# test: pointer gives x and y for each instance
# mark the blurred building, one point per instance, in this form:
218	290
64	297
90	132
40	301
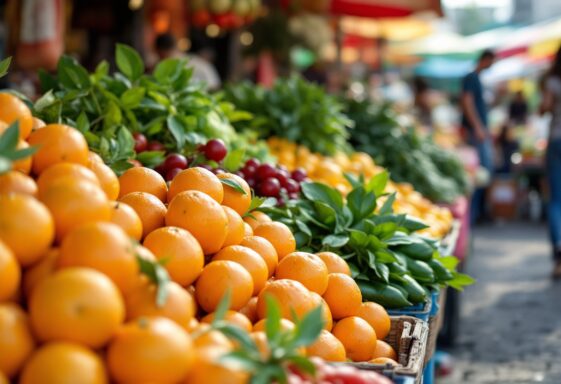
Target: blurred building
531	11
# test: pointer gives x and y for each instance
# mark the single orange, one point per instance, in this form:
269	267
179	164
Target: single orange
38	123
61	362
38	271
26	227
102	246
78	305
217	278
198	213
265	249
142	179
61	170
250	309
236	229
326	311
250	260
12	108
73	203
125	217
384	361
247	230
107	178
150	209
10	273
334	263
256	218
196	179
357	336
178	303
193	324
208	368
58	143
290	295
17	182
23	165
377	317
279	235
150	350
327	347
285	325
342	295
233	318
16	339
262	343
383	349
233	198
306	268
179	250
205	337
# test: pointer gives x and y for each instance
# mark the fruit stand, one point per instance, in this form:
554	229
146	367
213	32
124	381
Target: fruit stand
184	237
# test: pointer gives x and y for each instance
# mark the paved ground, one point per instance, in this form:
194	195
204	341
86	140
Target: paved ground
511	320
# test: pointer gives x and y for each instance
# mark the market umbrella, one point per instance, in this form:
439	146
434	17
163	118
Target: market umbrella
383	8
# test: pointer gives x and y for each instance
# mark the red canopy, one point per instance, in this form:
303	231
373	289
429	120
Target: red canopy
383	8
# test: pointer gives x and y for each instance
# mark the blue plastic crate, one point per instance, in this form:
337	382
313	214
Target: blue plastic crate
403	380
420	311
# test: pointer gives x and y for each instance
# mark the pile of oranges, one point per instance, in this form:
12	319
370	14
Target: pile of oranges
76	306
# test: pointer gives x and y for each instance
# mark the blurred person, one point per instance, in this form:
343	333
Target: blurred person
518	109
475	124
199	59
423	102
551	102
508	146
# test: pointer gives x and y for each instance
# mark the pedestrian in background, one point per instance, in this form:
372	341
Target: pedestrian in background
551	102
475	124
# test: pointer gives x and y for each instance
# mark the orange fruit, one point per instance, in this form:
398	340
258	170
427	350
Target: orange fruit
384	361
196	179
247	230
181	251
73	203
250	260
342	295
198	213
250	309
193	324
334	263
205	337
61	362
383	349
38	271
233	318
142	179
357	336
327	347
279	235
3	379
10	273
16	340
12	109
217	278
207	368
58	143
26	227
38	123
93	158
78	305
148	350
62	170
125	217
265	249
256	218
306	268
285	325
107	178
150	209
17	182
291	296
23	165
262	343
234	199
376	316
101	246
326	312
236	227
177	306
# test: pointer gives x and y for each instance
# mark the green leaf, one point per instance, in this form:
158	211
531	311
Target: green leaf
9	139
113	116
151	158
358	239
233	184
319	192
304	364
177	130
5	165
167	70
388	205
449	262
71	74
223	306
234	159
385	231
361	203
260	202
158	275
45	101
335	241
4	65
131	98
460	280
102	69
129	61
383	271
82	123
413	224
385	256
272	319
241	358
237	334
308	329
377	184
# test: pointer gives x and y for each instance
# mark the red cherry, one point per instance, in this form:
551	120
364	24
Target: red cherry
249	170
140	142
282	177
175	160
294	196
269	187
251	182
299	174
265	171
252	163
155	146
170	175
161	169
292	186
215	150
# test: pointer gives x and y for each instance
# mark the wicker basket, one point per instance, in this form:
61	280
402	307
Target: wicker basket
408	336
435	324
